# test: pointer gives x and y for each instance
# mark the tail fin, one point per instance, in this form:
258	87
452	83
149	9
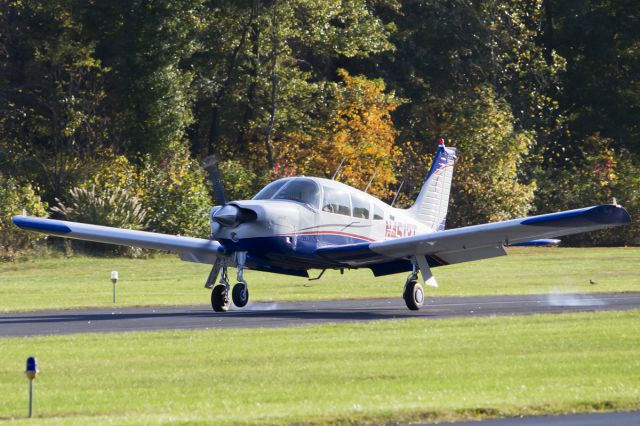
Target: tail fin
432	204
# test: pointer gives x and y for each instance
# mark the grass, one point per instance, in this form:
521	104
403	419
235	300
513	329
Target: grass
402	370
63	283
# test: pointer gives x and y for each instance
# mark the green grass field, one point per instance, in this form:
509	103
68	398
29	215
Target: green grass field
389	371
61	283
376	372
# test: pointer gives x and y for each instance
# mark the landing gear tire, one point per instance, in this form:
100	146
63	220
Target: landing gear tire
413	295
240	295
220	298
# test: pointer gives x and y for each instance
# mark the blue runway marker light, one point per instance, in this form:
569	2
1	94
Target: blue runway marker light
31	371
32	368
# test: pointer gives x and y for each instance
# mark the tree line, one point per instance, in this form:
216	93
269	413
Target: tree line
107	109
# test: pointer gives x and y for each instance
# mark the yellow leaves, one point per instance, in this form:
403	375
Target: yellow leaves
364	134
359	129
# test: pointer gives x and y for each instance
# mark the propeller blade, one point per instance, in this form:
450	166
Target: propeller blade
210	164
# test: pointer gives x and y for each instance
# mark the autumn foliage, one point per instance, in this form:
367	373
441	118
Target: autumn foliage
359	131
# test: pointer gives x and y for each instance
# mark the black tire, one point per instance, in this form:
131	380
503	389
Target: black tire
240	295
220	298
413	295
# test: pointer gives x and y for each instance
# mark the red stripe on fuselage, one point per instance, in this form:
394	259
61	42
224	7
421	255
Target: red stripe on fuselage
346	234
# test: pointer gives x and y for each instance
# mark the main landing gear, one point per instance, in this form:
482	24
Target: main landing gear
220	301
413	293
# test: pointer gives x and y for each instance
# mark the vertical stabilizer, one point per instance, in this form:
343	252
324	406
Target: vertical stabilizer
432	204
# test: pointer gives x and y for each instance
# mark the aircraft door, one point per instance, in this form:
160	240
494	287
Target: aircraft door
361	227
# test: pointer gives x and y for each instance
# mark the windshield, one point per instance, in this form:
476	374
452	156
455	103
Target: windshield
268	191
301	190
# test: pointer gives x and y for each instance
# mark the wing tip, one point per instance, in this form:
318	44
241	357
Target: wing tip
40	224
605	214
612	214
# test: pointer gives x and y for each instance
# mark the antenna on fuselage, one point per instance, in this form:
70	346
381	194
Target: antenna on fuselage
395	197
338	169
370	181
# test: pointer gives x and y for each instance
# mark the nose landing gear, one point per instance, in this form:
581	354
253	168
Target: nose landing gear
220	293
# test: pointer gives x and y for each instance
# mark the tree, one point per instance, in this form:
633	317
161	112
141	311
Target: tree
599	40
271	78
17	198
144	45
598	175
360	132
488	183
449	49
53	87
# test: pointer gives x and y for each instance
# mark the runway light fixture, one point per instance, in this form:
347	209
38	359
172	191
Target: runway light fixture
114	280
31	371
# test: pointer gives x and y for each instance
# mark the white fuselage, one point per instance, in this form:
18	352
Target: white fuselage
291	224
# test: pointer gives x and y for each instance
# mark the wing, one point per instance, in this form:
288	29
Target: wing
478	241
190	249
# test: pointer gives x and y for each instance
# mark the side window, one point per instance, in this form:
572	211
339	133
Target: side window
336	201
360	206
378	214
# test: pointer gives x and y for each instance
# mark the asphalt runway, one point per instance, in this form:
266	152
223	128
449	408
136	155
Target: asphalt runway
287	314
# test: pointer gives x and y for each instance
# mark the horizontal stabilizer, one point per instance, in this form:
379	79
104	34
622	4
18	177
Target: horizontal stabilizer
544	242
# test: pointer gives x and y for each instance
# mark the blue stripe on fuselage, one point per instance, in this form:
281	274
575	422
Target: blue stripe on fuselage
293	251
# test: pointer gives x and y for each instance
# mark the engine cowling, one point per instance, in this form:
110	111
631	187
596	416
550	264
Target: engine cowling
231	215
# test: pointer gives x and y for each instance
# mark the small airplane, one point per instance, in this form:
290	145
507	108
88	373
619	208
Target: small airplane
300	223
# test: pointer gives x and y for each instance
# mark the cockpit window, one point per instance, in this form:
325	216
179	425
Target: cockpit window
336	201
301	190
268	191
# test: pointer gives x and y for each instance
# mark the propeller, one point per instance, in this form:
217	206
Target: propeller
224	215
